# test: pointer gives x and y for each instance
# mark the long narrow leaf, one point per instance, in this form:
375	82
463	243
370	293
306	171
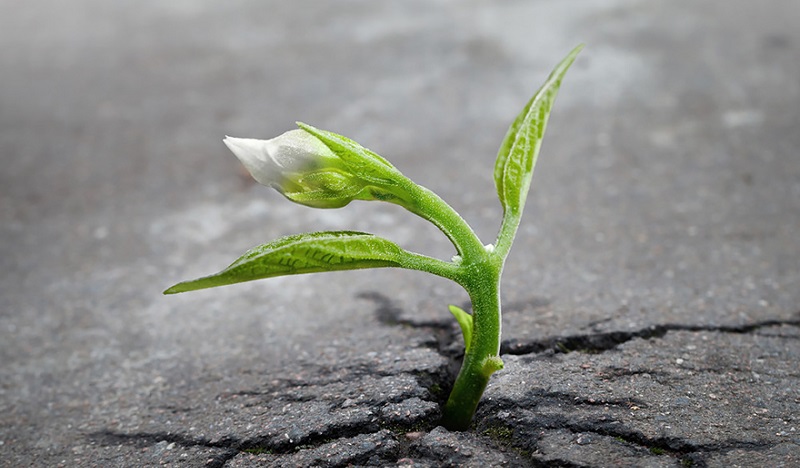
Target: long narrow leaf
303	253
518	152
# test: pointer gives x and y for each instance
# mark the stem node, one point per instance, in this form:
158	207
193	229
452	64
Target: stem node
491	365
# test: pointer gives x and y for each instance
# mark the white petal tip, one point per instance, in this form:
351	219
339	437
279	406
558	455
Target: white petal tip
237	145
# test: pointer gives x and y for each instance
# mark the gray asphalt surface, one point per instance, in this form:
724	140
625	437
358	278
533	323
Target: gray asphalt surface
651	302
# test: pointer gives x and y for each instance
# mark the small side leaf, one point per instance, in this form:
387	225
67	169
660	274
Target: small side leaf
303	253
465	321
491	365
518	152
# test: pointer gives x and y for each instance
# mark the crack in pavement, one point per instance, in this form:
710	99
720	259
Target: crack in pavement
605	341
688	453
321	412
394	391
540	413
334	429
525	435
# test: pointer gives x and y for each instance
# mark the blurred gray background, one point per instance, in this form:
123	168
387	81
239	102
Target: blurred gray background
667	191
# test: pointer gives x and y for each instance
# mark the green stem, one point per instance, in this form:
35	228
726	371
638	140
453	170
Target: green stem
483	285
508	230
415	261
431	207
479	273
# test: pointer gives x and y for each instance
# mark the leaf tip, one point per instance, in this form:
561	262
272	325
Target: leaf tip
174	289
305	126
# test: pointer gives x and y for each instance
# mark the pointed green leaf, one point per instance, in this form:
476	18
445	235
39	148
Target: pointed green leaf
465	321
303	253
518	152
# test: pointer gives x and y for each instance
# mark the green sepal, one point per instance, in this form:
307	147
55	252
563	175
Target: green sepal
303	253
465	321
359	161
518	152
325	189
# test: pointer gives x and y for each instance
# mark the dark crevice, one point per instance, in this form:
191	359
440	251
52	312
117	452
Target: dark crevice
447	340
524	435
337	430
229	447
600	342
332	432
590	343
674	446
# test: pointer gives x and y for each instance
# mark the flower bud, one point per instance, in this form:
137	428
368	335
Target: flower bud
300	166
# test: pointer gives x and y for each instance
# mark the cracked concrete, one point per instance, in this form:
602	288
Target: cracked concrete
690	397
651	303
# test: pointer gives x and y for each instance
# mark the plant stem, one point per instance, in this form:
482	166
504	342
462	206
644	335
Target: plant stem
429	206
508	230
483	285
479	273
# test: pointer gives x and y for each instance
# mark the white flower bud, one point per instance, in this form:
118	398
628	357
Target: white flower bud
302	166
280	160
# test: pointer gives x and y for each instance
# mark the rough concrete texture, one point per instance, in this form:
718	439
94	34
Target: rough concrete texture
651	300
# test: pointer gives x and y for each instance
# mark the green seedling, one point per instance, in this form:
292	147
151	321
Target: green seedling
321	169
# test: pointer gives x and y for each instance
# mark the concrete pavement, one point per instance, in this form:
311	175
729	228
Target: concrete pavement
650	303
